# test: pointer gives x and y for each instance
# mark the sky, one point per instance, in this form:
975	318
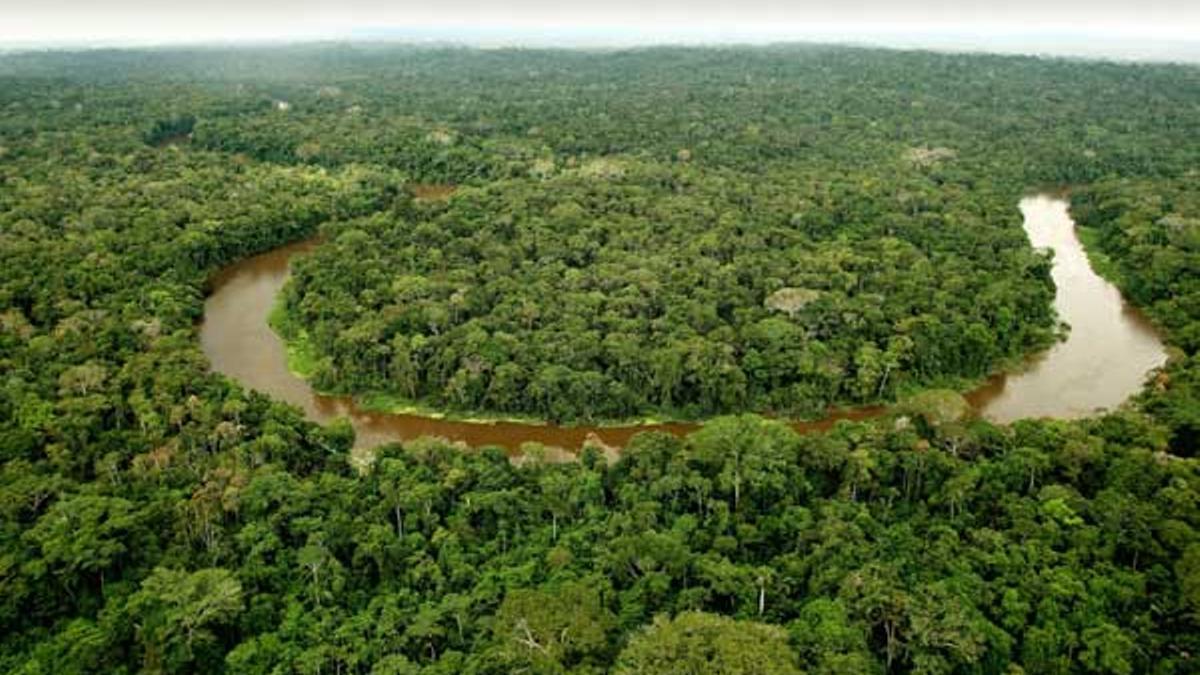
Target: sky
25	22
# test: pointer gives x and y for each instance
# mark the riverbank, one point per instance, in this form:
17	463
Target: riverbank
1105	266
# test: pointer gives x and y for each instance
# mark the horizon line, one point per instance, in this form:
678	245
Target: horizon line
1058	42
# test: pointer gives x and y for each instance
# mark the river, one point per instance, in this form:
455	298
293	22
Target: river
1110	349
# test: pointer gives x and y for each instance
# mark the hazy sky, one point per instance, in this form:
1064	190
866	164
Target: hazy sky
154	21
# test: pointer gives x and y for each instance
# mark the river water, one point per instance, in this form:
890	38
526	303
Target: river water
1108	353
1110	349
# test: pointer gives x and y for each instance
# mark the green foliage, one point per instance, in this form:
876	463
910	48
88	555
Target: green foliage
553	629
697	643
171	130
177	611
302	358
829	641
653	292
937	407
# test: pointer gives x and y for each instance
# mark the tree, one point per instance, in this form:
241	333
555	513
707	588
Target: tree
700	644
1187	569
829	642
178	612
84	534
553	626
747	454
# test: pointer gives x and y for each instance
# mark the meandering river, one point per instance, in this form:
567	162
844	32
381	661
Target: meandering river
1110	349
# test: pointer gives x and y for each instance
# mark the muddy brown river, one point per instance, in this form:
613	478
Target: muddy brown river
1109	351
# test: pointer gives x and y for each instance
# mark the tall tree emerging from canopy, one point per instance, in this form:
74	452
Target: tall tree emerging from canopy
697	643
178	612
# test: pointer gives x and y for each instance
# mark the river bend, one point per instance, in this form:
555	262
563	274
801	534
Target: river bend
1110	349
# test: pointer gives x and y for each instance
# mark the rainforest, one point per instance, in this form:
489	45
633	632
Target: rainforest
789	272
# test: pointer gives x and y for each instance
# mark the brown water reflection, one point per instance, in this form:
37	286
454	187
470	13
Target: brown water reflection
1110	349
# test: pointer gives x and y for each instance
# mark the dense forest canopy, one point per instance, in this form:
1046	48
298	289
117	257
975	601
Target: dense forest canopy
628	227
675	230
689	290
